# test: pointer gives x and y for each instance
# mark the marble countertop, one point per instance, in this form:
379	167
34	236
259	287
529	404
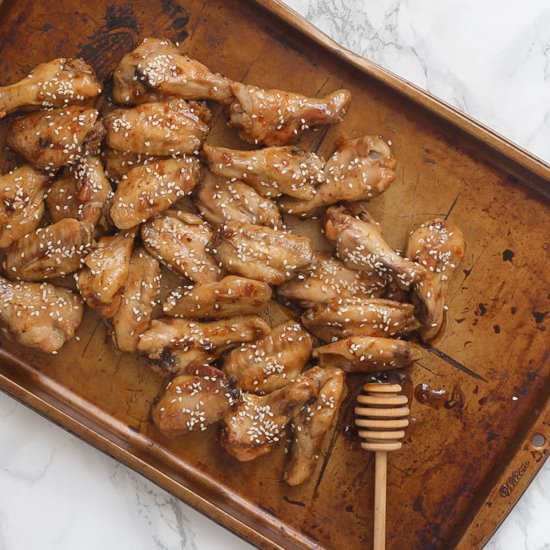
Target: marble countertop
492	60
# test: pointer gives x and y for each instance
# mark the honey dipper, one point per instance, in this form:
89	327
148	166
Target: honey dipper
381	416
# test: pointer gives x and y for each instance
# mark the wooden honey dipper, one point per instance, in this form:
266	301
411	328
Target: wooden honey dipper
381	418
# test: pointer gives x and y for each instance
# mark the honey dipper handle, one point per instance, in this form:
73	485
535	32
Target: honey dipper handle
380	500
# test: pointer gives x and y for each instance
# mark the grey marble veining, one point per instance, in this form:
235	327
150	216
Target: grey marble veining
490	59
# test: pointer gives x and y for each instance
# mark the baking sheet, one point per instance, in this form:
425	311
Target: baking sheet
464	464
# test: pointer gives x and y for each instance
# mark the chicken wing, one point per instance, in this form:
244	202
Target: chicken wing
119	163
359	317
275	117
360	169
272	171
367	354
148	190
270	363
22	193
192	402
106	269
257	423
181	243
41	315
312	424
156	129
360	245
160	67
53	84
226	201
226	298
177	344
54	138
329	279
261	253
48	252
439	246
138	300
81	192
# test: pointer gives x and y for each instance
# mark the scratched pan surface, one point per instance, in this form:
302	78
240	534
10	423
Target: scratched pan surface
465	463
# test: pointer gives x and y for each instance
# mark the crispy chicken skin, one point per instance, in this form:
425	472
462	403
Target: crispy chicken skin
174	345
162	129
361	246
192	401
222	201
226	298
360	169
271	362
276	117
359	317
53	84
367	354
329	279
272	171
439	246
148	190
81	192
160	67
261	253
48	252
311	425
128	88
105	271
41	315
180	241
22	193
119	163
253	427
54	138
139	297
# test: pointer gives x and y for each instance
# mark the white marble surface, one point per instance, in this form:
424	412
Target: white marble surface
490	58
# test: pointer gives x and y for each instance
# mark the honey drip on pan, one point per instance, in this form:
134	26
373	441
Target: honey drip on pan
437	398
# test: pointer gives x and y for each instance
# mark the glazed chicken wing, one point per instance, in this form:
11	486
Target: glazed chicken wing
226	201
175	345
48	252
272	171
180	241
275	117
53	84
360	245
367	354
105	271
261	253
156	129
41	316
54	138
22	193
226	298
439	246
257	423
139	298
313	423
329	279
359	317
360	169
81	192
148	190
270	363
192	402
119	163
160	67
